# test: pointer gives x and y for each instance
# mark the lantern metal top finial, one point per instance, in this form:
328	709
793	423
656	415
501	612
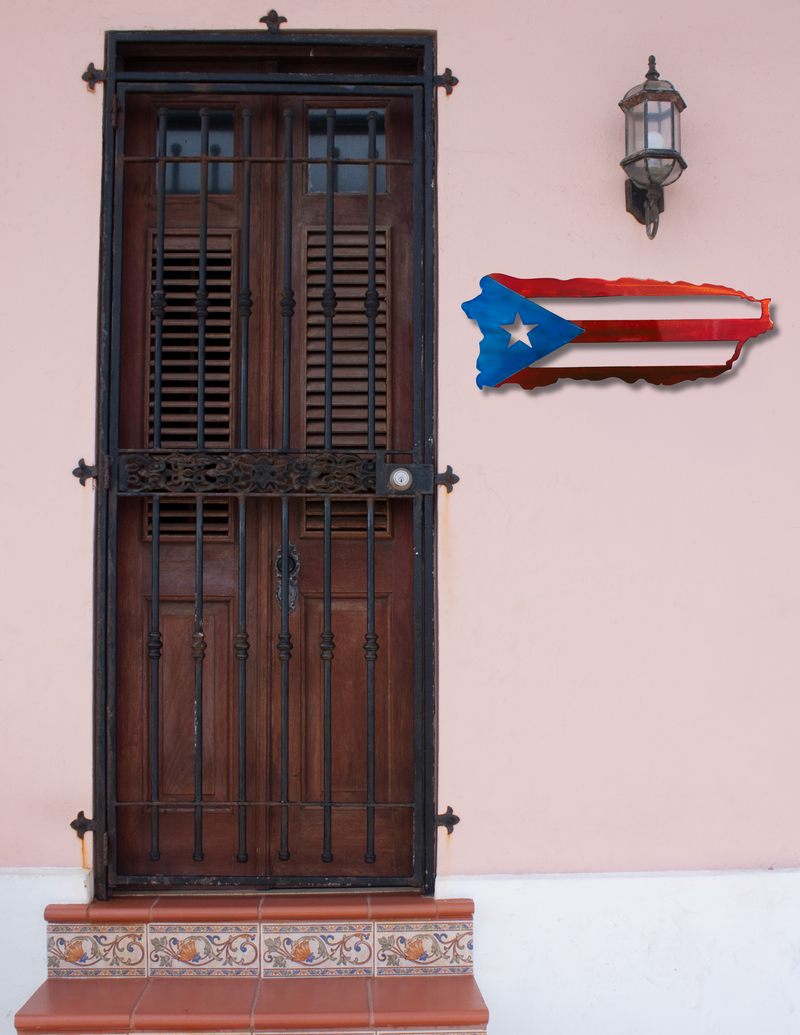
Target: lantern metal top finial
651	70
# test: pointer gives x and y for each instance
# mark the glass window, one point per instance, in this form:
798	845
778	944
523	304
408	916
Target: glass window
350	140
183	141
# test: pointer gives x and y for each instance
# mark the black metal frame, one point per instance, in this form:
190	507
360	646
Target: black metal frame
117	467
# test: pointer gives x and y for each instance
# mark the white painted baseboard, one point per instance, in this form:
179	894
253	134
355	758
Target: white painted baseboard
23	933
712	953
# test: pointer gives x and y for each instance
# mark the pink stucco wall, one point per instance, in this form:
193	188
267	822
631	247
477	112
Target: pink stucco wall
618	565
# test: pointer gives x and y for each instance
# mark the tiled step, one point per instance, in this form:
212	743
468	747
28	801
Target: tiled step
266	936
355	1005
378	964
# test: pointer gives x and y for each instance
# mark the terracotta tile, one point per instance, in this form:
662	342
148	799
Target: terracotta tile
81	1006
440	1001
89	950
122	910
426	949
200	909
455	908
216	950
186	1004
67	914
393	906
320	1002
314	908
310	950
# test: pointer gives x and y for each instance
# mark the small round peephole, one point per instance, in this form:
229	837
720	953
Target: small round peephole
400	478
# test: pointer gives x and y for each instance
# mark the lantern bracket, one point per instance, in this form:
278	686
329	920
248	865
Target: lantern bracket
635	199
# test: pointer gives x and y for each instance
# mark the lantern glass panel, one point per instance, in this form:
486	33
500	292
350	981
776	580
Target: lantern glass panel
659	122
634	129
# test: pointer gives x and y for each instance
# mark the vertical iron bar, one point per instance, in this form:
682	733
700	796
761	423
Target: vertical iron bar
242	641
371	297
159	298
198	653
154	643
242	650
371	653
329	295
245	294
287	301
284	655
326	653
201	303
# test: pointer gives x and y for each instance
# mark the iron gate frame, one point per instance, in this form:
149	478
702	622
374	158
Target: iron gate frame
422	89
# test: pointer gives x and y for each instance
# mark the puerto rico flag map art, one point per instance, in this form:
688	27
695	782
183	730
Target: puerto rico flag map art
518	331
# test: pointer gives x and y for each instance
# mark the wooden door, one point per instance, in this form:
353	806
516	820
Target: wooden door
255	743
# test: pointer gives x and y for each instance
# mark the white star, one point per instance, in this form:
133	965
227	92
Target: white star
519	331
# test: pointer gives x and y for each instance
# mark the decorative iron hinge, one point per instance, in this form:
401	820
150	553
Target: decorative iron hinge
447	479
83	471
273	22
92	76
448	819
81	824
448	81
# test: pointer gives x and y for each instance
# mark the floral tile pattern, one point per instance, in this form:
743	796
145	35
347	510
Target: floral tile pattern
327	950
216	950
87	950
423	948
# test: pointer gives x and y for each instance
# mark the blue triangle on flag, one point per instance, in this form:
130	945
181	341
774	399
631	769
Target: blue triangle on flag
498	306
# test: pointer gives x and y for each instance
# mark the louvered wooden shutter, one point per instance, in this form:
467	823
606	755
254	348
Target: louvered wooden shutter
179	370
350	373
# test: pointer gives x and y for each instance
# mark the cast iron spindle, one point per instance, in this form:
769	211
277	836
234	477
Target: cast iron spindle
154	639
370	653
329	295
158	302
245	294
154	653
287	300
284	655
371	303
326	653
198	653
242	641
201	303
241	645
284	638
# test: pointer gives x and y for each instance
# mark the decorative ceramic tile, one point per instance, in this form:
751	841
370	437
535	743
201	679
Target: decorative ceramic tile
87	950
218	950
327	950
423	948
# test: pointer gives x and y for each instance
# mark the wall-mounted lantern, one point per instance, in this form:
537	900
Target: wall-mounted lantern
652	146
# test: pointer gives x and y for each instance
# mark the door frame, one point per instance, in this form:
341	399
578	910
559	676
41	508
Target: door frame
422	87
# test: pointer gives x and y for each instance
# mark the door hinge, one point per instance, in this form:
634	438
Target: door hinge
81	824
448	819
448	81
92	76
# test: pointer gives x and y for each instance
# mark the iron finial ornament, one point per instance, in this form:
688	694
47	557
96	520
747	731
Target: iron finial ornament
273	22
448	819
81	824
92	76
83	471
448	479
651	68
448	81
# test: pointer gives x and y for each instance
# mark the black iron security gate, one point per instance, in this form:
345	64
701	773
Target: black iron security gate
264	659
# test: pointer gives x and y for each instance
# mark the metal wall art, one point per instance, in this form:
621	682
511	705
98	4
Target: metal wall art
518	332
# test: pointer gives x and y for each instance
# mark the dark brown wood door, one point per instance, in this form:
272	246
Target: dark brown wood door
232	759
